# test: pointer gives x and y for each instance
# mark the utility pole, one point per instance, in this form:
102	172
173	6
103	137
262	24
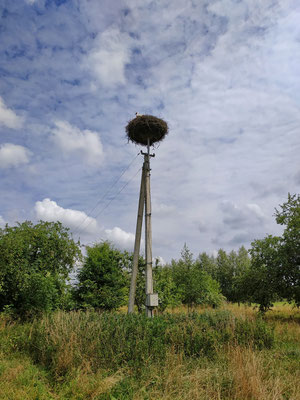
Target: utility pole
148	234
144	203
144	130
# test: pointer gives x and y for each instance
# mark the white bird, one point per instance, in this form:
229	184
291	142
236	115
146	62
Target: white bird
138	114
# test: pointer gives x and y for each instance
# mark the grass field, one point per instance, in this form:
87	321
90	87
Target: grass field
224	354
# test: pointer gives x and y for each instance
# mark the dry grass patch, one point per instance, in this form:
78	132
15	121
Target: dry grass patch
182	379
251	377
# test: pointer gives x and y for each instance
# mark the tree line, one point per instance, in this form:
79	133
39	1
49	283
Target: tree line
37	260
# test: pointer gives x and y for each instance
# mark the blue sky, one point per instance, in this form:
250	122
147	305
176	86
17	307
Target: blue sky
225	76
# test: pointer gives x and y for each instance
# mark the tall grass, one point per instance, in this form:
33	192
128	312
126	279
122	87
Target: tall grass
65	341
227	354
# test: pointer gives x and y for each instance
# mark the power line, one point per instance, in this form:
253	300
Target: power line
116	195
121	190
77	229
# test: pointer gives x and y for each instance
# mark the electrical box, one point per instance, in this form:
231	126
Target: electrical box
152	300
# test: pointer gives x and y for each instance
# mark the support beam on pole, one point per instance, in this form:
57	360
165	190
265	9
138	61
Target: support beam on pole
137	243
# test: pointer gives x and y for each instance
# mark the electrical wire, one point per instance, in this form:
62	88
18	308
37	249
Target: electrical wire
116	195
120	191
77	229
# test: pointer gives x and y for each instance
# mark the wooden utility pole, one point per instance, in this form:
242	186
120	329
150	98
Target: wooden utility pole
144	202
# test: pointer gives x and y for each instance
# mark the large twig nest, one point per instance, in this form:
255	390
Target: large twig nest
143	127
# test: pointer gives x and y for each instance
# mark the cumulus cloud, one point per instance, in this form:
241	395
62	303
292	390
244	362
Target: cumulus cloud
8	117
83	225
120	238
49	210
108	58
84	143
13	155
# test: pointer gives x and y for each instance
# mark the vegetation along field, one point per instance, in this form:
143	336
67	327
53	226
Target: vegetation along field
227	327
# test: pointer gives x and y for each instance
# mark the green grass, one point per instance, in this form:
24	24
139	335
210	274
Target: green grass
64	341
226	354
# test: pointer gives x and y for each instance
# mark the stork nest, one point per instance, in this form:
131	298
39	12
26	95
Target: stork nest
145	127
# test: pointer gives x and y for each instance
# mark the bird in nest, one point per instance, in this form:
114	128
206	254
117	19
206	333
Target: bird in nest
138	114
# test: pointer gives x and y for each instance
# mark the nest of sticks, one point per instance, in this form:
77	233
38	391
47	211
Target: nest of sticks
145	127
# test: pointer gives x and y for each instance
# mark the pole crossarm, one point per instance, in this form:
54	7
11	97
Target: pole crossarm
147	154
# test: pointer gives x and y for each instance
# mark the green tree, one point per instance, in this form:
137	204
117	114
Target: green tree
35	262
225	272
261	281
229	270
288	266
169	294
196	286
102	281
242	268
208	264
275	261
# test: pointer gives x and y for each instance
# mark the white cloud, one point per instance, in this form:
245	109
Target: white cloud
120	238
159	260
49	210
82	225
223	73
8	117
13	155
2	222
108	58
85	143
256	210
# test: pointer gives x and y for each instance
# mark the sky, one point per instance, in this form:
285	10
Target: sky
224	75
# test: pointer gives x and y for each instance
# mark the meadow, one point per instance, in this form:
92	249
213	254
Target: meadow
229	353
